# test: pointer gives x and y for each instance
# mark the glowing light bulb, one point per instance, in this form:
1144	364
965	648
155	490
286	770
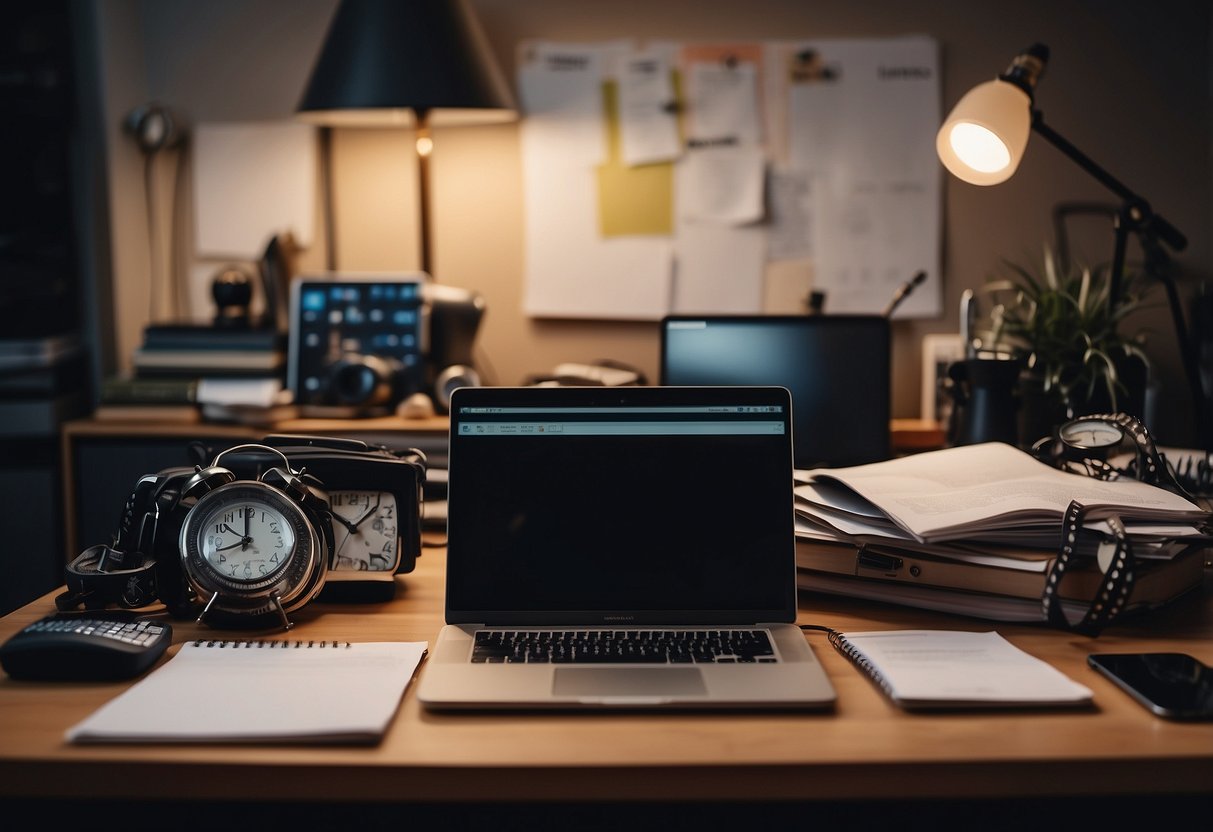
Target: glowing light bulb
979	147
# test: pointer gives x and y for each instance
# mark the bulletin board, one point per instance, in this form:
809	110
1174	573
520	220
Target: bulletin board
678	178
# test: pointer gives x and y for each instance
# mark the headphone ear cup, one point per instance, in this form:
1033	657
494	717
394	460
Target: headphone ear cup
154	127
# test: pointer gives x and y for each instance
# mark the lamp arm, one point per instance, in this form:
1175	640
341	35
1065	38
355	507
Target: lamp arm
1136	216
1144	218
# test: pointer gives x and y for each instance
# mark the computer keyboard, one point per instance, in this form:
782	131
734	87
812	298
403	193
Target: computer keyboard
623	646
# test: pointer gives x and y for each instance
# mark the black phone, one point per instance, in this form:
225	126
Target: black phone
1171	685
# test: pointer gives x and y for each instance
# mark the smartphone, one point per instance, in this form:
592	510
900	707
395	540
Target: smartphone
1171	685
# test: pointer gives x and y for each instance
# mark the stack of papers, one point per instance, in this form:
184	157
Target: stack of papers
983	518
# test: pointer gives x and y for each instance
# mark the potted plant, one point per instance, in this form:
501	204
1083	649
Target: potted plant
1068	338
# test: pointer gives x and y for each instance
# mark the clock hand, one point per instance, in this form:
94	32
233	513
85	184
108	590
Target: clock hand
246	540
353	527
369	512
242	542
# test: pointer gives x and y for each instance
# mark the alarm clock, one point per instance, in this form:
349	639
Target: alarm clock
260	531
253	551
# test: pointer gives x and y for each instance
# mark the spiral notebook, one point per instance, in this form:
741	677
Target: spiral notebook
261	691
957	669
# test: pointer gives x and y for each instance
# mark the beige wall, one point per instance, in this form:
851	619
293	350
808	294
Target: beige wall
1129	83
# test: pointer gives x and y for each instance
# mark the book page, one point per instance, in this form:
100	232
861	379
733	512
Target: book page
948	494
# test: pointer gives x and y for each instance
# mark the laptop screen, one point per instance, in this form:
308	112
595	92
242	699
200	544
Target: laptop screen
836	366
585	505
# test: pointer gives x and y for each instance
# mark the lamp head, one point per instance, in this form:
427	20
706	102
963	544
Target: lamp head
983	139
401	62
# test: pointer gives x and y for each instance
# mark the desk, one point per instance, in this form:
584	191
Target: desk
866	748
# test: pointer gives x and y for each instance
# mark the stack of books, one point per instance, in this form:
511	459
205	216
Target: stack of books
976	530
175	363
190	350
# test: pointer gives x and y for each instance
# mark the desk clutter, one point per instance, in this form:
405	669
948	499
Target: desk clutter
257	531
345	345
989	531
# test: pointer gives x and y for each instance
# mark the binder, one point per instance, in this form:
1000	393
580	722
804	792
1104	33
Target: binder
1158	580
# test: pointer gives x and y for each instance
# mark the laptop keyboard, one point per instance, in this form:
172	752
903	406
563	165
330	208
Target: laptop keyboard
623	646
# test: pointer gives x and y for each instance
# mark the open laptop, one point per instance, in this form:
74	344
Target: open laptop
836	367
621	548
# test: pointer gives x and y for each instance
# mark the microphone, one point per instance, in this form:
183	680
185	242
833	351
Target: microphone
904	292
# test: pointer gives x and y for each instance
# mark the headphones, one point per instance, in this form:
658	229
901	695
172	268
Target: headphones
155	128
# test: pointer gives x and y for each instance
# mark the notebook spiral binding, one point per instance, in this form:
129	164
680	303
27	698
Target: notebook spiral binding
840	643
271	644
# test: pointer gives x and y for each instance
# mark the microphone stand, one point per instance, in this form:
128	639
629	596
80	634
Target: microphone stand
1136	217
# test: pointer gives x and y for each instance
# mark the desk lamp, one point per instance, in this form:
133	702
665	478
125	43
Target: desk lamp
982	142
406	63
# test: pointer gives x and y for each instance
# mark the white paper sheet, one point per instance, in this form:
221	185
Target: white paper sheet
252	180
648	120
724	102
721	185
862	123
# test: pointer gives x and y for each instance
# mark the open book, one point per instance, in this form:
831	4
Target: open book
991	491
977	530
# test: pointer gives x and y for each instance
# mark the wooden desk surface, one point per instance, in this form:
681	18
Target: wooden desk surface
865	747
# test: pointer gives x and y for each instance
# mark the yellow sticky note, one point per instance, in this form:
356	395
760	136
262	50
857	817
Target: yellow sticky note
631	200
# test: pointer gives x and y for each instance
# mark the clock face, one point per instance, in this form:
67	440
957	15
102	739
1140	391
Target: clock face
365	530
1090	433
245	539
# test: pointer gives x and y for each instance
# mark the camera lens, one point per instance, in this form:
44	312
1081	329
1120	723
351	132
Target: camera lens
363	380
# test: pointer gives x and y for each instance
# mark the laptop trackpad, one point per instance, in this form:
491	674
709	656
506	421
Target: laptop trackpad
628	681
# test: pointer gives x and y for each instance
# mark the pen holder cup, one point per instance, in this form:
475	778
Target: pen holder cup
986	408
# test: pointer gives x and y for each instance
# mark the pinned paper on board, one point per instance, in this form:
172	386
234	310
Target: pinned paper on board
648	108
817	155
572	270
861	121
632	199
723	94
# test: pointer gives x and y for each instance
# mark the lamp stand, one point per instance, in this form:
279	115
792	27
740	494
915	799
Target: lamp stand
424	144
1136	217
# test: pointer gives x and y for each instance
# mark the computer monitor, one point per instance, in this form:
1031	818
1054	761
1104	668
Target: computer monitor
836	367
